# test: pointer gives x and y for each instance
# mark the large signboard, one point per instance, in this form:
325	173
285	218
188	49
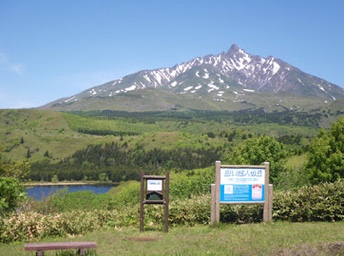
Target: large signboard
242	185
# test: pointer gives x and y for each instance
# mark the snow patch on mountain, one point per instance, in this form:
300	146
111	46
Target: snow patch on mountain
248	90
131	88
221	75
70	99
188	88
206	74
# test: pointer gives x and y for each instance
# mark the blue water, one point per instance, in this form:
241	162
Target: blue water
40	192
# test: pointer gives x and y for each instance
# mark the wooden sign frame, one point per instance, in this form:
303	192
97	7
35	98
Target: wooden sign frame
154	190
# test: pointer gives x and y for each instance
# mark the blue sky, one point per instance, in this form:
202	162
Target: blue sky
57	48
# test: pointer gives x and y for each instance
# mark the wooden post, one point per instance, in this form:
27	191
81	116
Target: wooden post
142	196
271	189
217	191
213	204
266	193
167	199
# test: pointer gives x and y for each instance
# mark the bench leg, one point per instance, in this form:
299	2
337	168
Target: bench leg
40	253
82	251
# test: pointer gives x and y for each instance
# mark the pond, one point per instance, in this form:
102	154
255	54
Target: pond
42	191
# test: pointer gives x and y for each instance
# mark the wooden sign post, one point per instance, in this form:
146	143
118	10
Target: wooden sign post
241	184
154	190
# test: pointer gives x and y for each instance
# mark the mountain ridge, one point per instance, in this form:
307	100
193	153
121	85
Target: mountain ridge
226	77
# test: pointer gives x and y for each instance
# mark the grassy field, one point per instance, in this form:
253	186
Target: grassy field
277	238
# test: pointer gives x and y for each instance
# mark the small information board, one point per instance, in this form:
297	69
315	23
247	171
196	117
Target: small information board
154	185
154	190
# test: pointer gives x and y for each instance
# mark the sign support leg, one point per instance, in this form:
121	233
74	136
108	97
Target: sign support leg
141	204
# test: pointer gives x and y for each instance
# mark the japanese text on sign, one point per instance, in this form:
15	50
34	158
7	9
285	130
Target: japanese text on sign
154	185
242	176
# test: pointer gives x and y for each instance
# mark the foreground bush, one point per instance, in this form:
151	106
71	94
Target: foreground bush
34	226
324	202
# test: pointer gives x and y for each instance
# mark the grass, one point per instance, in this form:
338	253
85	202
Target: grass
297	161
276	238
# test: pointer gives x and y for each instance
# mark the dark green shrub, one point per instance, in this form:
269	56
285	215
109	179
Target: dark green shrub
125	194
325	156
190	183
11	194
323	202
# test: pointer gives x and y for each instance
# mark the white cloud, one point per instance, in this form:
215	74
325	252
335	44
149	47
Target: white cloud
17	68
10	66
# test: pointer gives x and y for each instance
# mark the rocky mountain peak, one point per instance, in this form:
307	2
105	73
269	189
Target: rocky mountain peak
221	78
234	49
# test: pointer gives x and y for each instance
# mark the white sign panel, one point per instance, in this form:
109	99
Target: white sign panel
154	185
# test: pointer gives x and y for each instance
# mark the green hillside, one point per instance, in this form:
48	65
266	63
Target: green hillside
118	144
39	132
61	134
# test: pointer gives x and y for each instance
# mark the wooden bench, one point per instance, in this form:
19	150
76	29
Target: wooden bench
41	247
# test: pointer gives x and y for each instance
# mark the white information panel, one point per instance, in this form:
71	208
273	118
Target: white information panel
154	185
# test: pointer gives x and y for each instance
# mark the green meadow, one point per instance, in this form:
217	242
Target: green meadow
277	238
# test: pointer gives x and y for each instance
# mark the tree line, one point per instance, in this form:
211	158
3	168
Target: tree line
120	163
247	116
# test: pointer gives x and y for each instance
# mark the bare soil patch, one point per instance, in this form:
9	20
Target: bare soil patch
143	239
313	250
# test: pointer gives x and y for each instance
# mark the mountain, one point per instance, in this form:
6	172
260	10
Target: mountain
232	80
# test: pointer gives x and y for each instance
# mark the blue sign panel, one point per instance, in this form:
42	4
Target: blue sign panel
242	185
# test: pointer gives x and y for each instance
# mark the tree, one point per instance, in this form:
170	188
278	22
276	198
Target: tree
19	169
11	193
325	156
11	190
103	177
28	153
256	151
55	179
